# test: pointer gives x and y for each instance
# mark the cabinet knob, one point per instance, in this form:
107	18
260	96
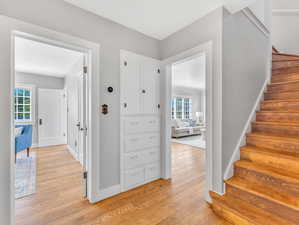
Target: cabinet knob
125	105
159	106
143	91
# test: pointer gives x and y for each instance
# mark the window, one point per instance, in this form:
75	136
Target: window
23	104
181	108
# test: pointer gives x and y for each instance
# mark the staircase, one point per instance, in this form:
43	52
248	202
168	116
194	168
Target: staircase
265	187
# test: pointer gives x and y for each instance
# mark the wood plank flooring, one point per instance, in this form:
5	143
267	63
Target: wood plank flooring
58	199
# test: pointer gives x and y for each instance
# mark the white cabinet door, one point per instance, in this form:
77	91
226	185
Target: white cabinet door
149	87
130	83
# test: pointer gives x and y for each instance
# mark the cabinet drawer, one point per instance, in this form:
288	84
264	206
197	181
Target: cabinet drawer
151	124
152	140
152	172
152	155
132	125
133	160
133	178
134	143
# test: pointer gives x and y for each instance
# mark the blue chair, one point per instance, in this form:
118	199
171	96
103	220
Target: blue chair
24	141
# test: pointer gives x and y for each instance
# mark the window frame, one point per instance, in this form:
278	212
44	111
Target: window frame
174	106
32	90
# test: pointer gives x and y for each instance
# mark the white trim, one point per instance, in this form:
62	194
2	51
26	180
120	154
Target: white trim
255	21
237	5
211	160
107	192
47	36
285	12
73	152
229	171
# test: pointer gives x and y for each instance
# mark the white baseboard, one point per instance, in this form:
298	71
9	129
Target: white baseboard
72	151
106	193
242	141
34	145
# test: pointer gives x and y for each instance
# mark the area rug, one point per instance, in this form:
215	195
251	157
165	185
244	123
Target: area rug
195	141
25	174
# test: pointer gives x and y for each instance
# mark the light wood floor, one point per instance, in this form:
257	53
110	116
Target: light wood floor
58	201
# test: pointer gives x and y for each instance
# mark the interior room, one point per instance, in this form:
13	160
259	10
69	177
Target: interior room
188	102
48	109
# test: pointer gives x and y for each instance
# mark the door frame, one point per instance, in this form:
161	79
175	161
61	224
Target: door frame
92	51
166	86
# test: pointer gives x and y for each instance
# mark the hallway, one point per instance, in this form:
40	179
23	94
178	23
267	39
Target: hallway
58	201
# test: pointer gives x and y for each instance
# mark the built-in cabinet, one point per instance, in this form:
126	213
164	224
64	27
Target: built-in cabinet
140	120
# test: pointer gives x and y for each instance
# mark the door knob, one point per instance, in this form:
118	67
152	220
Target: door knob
40	121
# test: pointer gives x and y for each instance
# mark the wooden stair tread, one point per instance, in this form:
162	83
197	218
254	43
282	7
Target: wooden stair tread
276	111
281	91
269	193
277	123
284	83
268	151
281	174
283	54
248	212
269	136
280	100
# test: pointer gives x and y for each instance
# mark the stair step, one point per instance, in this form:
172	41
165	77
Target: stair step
276	143
276	179
286	70
268	157
281	95
239	212
284	77
282	105
283	86
283	57
277	116
270	200
276	128
284	64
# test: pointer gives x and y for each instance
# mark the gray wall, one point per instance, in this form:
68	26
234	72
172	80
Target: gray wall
63	17
246	57
39	81
286	33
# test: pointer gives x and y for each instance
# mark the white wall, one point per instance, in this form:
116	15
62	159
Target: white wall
285	32
246	67
39	81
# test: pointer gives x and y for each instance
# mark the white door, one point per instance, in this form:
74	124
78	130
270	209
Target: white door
130	83
52	122
150	86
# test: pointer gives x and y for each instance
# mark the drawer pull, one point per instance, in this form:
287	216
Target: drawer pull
152	137
134	123
152	153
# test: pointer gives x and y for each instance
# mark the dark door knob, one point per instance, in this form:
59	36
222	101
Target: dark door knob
40	121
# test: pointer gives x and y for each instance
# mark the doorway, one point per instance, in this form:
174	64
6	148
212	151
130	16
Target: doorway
180	105
47	159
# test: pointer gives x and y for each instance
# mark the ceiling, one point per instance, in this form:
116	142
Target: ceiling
155	18
285	4
43	59
189	74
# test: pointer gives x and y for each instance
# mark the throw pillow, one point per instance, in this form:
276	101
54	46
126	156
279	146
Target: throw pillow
18	131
